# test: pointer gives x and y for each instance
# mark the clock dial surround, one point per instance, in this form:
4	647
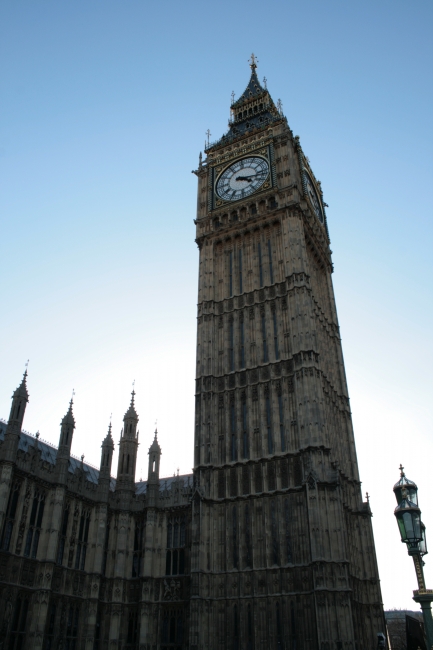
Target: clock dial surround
242	178
314	199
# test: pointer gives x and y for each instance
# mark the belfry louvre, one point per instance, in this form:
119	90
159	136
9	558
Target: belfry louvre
268	544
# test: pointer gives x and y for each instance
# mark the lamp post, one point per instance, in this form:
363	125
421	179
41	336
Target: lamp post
412	532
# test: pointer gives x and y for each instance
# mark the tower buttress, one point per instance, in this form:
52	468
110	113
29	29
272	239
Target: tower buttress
128	449
153	471
15	422
65	442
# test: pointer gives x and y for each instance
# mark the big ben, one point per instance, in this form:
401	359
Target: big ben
282	550
268	544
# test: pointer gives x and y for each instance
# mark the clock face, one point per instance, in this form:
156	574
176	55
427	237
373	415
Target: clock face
313	198
242	178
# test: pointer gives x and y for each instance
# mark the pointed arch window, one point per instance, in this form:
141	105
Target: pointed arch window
137	556
248	545
72	627
18	630
172	629
281	417
279	626
265	347
269	424
176	541
83	535
133	629
235	628
259	251
271	272
249	628
235	537
274	534
106	543
231	346
245	445
242	343
63	532
10	515
34	531
234	453
50	627
276	349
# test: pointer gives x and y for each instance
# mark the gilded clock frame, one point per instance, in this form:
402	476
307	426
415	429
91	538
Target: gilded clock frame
264	151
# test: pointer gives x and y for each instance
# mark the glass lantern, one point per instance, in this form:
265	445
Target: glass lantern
410	486
409	521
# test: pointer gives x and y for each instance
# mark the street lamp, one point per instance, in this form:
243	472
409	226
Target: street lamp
412	532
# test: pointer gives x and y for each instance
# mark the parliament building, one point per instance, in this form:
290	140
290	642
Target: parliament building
268	544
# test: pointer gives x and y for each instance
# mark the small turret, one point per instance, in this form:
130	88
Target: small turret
16	417
65	442
153	472
154	459
106	455
105	466
128	449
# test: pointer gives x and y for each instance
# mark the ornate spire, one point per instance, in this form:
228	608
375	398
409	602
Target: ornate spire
108	440
22	391
69	417
155	444
254	88
131	412
253	110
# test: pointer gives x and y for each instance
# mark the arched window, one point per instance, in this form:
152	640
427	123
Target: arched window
18	630
10	515
175	554
83	535
34	531
63	533
235	628
249	629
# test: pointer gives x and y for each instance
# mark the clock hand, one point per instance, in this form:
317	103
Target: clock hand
245	178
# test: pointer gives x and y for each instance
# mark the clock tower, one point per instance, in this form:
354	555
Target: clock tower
282	544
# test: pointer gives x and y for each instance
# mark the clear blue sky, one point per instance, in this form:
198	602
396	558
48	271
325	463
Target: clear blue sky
103	112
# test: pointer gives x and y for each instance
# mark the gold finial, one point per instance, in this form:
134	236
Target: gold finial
401	468
253	61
